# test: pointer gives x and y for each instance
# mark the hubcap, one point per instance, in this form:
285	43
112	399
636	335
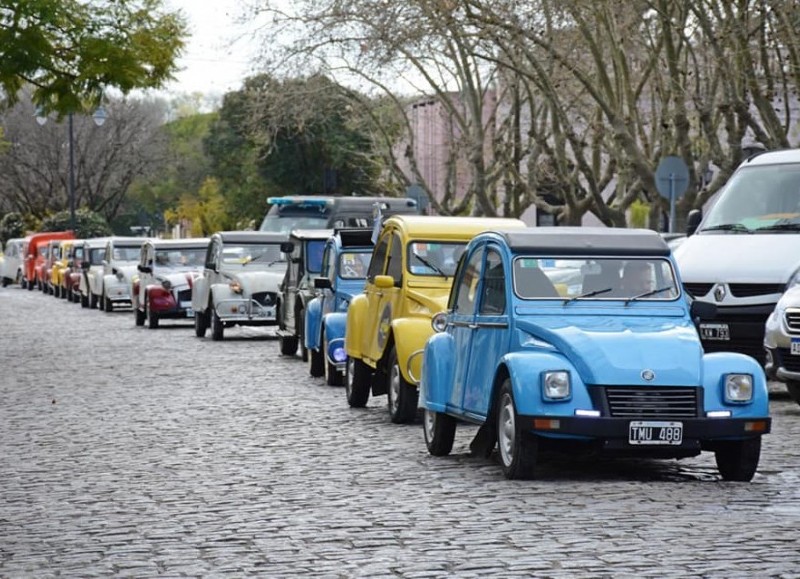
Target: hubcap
394	388
506	430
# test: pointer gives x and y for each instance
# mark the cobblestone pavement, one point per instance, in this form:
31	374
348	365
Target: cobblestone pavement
138	453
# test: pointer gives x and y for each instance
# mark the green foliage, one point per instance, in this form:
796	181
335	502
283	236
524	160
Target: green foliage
72	50
12	225
87	224
206	212
638	214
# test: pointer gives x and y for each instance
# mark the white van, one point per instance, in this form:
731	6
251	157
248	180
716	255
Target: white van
745	251
11	268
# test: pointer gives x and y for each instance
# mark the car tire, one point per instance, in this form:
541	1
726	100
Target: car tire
440	432
24	284
332	375
200	324
794	390
151	316
65	294
737	460
403	396
357	381
139	316
316	363
217	327
288	345
5	282
518	448
107	304
92	301
301	339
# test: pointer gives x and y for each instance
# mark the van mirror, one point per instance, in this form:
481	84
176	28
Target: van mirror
693	221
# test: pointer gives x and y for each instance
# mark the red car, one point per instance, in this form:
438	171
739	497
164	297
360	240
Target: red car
36	256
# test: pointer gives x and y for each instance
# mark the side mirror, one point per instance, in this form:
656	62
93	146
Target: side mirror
322	283
384	281
703	310
144	268
287	247
693	221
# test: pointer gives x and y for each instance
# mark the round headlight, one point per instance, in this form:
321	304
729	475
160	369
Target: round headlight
439	322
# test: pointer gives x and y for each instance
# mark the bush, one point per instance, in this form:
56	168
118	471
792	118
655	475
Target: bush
87	224
12	225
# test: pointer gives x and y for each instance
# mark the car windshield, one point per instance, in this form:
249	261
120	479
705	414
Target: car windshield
97	255
314	250
261	254
595	278
180	257
434	258
758	198
126	253
354	265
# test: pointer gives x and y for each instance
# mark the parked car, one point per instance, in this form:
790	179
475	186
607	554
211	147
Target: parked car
163	288
12	268
345	261
52	257
408	281
91	280
782	342
616	369
73	270
61	257
304	249
239	283
35	256
119	266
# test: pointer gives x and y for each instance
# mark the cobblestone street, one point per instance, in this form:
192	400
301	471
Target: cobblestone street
152	453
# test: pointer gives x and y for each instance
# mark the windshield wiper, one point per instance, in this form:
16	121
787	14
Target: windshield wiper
430	265
729	227
260	257
650	293
588	295
780	227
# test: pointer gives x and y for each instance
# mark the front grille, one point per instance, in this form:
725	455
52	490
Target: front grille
787	361
265	298
747	290
185	295
698	290
792	318
652	402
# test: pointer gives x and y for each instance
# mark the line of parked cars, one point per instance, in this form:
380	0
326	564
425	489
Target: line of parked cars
548	339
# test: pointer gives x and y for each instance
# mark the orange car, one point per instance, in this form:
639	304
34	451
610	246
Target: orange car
35	257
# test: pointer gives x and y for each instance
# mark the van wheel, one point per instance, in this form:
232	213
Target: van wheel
518	447
403	396
357	379
217	328
794	390
108	305
440	432
737	460
92	301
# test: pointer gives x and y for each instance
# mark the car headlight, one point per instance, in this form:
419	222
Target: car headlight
166	284
236	287
738	388
556	385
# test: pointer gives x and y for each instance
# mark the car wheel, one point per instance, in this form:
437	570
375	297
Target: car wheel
108	305
288	345
316	363
357	379
403	395
65	294
332	375
5	282
139	316
737	460
24	284
440	432
92	301
518	447
200	324
217	328
794	390
301	330
152	317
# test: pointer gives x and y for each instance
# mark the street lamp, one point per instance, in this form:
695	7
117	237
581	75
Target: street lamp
99	117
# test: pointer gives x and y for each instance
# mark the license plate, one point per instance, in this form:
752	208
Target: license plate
795	347
654	432
719	332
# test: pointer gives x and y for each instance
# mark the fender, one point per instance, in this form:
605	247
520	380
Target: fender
525	369
715	366
334	325
437	372
410	335
313	323
200	293
159	299
354	332
221	291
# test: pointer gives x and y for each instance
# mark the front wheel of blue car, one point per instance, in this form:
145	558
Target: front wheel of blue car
518	447
440	432
737	460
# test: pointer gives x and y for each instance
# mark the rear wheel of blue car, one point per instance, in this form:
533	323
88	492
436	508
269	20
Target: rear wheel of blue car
440	432
737	460
403	396
357	382
518	447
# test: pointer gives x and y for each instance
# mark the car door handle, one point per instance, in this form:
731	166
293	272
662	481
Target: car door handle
472	326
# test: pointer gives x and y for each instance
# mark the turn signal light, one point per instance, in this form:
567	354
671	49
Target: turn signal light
759	426
546	424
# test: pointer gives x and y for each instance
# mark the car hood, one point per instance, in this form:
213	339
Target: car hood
618	350
177	278
258	281
738	258
126	270
435	299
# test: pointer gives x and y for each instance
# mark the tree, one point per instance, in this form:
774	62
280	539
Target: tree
11	225
70	51
88	224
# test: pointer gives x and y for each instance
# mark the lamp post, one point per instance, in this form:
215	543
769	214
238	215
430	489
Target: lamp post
99	117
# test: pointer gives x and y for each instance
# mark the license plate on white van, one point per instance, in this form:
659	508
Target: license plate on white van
794	349
718	332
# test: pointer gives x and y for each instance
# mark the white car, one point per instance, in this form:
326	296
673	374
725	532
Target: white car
782	342
11	269
163	287
94	252
240	280
119	266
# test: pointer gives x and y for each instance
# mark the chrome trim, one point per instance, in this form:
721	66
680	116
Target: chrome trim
413	355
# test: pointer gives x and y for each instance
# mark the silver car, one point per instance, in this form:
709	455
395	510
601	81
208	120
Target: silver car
782	342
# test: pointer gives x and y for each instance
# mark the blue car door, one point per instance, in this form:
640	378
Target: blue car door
490	336
462	321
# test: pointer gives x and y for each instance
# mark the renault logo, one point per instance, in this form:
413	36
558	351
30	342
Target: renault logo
648	375
719	293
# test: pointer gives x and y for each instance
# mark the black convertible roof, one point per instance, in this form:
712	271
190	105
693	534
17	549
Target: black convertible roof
586	241
355	237
252	237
